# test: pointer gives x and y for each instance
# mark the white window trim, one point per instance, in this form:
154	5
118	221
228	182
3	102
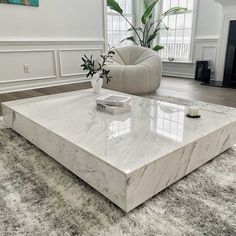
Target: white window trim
134	14
193	35
105	33
138	10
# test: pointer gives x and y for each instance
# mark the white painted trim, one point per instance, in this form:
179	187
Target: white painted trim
208	46
105	24
206	38
177	62
194	29
48	41
55	75
226	2
73	49
26	50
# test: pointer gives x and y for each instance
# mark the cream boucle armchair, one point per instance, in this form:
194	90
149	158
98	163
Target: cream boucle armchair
135	70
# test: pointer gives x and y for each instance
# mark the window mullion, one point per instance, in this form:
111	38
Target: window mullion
117	34
174	41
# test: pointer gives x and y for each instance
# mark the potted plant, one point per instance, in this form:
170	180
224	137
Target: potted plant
149	28
96	69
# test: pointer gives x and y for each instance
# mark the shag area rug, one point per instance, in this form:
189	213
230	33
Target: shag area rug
38	196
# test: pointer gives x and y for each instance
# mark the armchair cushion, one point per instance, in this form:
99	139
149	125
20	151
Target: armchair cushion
135	70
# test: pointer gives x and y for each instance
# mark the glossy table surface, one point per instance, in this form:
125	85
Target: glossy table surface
127	141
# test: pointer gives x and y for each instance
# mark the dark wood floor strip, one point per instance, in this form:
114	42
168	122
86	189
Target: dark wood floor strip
175	87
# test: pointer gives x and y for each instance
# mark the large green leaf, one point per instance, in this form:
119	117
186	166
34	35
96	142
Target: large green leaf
148	12
146	7
153	35
135	28
114	5
131	38
158	48
145	4
174	10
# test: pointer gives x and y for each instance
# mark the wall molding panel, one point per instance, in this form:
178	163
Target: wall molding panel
77	63
7	53
209	53
207	50
58	62
35	53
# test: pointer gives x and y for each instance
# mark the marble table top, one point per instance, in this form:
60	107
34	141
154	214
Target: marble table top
127	142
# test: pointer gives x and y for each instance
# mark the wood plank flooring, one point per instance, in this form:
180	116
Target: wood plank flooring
175	87
192	90
42	92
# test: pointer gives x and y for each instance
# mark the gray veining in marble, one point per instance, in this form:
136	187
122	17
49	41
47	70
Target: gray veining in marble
128	157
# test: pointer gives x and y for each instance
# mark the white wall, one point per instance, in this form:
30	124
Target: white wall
208	18
50	39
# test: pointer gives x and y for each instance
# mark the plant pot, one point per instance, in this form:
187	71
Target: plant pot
96	83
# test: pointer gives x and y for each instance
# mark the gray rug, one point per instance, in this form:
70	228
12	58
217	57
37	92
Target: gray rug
40	197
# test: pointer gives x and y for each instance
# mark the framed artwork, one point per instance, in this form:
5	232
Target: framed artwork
34	3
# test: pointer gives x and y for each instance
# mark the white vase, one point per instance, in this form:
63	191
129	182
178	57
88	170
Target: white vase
96	83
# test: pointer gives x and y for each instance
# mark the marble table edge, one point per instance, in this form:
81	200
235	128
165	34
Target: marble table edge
126	173
86	151
177	149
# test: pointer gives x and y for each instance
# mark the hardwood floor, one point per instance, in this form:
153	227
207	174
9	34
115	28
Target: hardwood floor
42	92
192	90
175	87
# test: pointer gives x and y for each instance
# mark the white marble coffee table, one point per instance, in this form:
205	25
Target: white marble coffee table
130	157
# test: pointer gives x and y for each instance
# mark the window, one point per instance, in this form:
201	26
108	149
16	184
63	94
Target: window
177	40
117	26
168	124
119	128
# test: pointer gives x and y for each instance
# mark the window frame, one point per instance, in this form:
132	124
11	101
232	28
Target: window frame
193	33
133	15
137	7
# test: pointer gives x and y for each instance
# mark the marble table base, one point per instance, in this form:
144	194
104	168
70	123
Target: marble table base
129	157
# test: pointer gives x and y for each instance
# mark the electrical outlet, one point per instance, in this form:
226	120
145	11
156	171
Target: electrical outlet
26	68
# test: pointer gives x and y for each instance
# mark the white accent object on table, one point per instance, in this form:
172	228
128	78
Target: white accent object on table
96	83
114	100
127	157
193	111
